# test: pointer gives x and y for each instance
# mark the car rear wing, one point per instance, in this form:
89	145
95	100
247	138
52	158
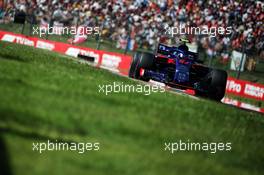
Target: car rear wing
164	49
171	50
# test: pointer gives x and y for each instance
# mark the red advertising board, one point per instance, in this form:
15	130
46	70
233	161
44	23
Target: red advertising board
112	61
245	89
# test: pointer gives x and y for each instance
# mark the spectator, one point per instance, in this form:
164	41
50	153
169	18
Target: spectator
147	19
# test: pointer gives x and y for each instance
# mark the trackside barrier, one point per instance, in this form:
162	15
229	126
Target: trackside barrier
245	89
120	63
112	61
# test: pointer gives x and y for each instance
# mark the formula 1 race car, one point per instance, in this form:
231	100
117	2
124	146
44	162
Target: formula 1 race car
179	68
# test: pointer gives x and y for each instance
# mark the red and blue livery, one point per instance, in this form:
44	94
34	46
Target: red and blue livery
179	68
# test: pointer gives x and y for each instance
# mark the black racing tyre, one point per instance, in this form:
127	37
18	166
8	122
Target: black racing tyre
146	60
140	60
133	65
217	85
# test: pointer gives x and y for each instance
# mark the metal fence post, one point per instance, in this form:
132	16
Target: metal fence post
128	38
98	36
242	60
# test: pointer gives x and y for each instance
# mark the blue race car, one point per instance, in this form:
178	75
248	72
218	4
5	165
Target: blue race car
179	68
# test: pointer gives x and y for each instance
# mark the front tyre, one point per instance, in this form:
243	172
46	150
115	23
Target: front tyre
133	65
217	84
141	60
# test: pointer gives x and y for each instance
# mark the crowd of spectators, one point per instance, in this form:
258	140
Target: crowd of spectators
144	21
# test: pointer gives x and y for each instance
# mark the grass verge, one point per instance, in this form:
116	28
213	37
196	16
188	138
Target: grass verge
44	95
